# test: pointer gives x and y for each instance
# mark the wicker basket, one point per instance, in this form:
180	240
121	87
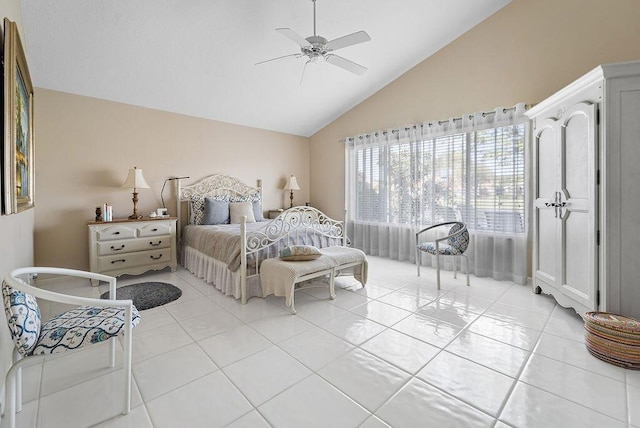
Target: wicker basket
613	338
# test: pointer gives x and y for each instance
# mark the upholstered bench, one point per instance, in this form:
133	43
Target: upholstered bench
347	257
279	277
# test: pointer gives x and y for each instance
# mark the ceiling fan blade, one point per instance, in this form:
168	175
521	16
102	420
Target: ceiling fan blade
303	70
297	55
348	40
346	64
292	35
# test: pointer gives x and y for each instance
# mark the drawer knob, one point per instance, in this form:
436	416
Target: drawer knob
152	244
154	230
156	258
118	261
117	249
116	233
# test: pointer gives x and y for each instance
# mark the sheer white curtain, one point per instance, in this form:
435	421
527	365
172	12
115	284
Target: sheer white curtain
470	169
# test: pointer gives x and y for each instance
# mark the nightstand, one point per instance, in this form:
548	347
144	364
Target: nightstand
274	213
132	247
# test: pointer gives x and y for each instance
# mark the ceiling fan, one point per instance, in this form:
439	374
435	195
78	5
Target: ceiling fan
317	47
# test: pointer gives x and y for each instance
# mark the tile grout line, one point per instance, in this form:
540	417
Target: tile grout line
523	367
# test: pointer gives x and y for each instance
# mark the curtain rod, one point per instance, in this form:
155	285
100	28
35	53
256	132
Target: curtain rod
440	122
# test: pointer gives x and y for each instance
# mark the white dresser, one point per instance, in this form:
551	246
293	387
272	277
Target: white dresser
132	246
586	192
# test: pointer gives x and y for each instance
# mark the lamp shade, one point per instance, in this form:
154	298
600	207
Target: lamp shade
292	184
135	180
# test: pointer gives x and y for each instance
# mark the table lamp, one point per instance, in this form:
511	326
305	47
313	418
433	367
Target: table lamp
135	180
292	184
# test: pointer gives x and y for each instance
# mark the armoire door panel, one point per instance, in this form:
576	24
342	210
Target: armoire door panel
547	158
577	277
575	156
547	250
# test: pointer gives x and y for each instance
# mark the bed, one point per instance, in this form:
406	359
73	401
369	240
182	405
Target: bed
229	255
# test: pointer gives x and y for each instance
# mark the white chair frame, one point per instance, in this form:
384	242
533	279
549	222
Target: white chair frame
437	242
13	385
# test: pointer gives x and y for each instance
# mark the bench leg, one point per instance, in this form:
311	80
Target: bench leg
291	301
332	290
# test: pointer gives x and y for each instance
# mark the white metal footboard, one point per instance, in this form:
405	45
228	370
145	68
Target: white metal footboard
287	227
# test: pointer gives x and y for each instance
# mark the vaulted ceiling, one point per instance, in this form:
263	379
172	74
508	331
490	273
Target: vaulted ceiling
197	57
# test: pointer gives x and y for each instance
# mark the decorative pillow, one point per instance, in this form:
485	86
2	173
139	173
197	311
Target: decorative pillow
198	206
215	211
246	198
299	253
23	317
257	211
197	210
238	209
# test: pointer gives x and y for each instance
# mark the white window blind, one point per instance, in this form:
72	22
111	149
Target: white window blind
476	177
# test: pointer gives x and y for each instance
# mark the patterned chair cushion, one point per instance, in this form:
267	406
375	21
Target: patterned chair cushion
80	327
445	249
23	318
460	242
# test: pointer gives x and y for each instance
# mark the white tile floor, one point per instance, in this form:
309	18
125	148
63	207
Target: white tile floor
397	353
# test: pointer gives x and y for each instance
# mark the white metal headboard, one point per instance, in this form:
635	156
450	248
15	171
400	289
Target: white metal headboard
212	185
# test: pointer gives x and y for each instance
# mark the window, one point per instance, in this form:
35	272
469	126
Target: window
412	177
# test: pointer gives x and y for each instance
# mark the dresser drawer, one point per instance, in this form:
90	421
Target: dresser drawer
133	245
116	232
154	229
127	260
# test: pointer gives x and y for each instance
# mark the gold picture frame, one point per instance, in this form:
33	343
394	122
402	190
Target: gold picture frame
18	162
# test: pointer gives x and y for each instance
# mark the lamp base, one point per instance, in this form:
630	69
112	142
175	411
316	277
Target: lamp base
135	215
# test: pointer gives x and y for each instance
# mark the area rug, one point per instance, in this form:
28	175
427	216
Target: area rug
147	295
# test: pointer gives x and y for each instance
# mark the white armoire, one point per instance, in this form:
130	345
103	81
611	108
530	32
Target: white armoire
586	190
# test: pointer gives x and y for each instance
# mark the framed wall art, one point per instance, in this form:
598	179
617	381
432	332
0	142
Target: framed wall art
18	153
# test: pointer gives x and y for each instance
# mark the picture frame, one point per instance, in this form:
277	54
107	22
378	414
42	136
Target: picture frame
18	153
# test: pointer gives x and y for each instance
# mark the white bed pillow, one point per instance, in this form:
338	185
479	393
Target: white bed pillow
238	209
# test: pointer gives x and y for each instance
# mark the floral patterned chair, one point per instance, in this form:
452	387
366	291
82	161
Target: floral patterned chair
454	244
92	322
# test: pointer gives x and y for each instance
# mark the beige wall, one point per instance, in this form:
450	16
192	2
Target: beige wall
85	147
523	53
16	230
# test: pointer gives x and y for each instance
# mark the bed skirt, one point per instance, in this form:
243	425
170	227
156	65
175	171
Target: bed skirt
216	273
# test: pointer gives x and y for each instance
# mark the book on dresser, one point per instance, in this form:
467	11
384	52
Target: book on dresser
124	246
